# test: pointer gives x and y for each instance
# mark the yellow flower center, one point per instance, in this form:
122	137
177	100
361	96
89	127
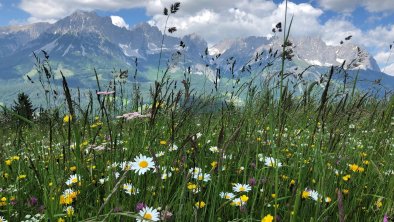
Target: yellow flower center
200	177
227	196
242	189
74	180
148	216
143	164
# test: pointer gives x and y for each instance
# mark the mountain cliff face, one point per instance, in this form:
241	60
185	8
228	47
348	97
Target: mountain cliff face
83	41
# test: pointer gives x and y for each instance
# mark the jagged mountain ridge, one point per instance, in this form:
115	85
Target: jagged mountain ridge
83	41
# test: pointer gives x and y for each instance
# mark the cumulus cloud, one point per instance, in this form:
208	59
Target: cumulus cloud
119	21
240	19
389	69
44	10
350	5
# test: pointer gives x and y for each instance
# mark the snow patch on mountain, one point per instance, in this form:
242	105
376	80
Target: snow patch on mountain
119	21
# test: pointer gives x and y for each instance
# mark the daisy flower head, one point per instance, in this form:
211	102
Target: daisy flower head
271	162
173	147
73	179
227	195
142	164
195	171
238	202
148	214
130	189
214	149
2	219
70	211
125	165
238	188
313	194
202	177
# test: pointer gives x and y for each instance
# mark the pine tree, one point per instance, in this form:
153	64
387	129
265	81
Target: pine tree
23	107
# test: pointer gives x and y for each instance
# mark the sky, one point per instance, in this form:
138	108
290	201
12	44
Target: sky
370	22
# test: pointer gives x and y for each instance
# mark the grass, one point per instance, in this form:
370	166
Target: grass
317	153
325	155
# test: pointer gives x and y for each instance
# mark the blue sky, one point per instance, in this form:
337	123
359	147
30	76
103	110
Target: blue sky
371	22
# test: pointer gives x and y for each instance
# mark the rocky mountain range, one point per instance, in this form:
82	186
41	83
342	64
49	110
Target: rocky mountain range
84	41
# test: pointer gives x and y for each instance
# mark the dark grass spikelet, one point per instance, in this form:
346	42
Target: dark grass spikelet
175	7
172	29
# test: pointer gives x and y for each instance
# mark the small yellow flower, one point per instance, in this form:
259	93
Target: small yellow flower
22	176
346	177
73	168
70	211
353	167
67	118
273	195
345	191
15	158
191	186
305	194
200	204
292	182
214	164
379	204
3	199
327	199
60	220
268	218
366	162
244	198
163	142
8	162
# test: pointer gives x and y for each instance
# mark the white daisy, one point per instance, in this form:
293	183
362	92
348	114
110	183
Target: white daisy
271	162
103	180
165	174
214	149
130	189
238	202
202	177
160	154
227	195
68	192
314	195
125	165
142	164
73	179
173	147
148	214
241	188
2	219
195	171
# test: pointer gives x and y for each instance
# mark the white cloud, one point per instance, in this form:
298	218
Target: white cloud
389	69
339	5
379	5
44	10
350	5
119	21
240	20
